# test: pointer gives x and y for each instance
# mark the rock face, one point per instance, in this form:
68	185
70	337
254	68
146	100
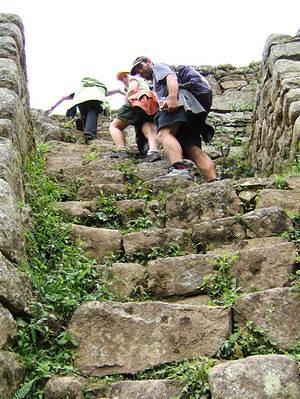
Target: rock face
259	377
274	142
16	141
110	334
11	373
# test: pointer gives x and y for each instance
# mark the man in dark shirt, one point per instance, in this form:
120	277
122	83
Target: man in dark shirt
179	121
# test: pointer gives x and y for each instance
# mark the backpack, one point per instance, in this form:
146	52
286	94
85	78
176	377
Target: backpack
190	79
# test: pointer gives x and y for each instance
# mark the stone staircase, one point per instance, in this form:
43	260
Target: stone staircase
157	313
165	249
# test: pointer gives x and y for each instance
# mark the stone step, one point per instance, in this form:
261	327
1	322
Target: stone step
261	377
129	337
262	222
276	311
257	265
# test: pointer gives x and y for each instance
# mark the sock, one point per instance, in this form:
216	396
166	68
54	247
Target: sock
179	165
149	152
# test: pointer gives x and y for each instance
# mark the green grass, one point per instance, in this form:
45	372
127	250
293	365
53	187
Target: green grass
62	277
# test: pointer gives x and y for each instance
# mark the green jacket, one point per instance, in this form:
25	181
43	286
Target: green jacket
91	89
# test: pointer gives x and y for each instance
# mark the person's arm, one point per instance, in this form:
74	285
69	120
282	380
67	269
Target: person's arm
115	91
171	102
68	97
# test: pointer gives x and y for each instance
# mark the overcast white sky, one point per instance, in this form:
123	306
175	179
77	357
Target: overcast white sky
66	39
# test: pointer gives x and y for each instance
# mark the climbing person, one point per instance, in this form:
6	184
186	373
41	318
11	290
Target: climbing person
139	110
90	98
181	118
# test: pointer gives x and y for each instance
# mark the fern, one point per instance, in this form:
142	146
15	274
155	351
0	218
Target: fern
24	390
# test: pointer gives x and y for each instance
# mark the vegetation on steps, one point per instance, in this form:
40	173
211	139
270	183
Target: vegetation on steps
63	277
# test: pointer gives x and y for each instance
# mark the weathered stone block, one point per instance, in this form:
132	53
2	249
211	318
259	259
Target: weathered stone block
217	232
124	279
178	275
8	327
9	75
125	338
276	310
289	200
96	242
12	242
202	203
146	389
15	289
143	242
10	167
70	387
12	372
259	377
266	222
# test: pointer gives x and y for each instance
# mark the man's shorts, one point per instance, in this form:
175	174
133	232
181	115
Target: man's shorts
190	128
133	115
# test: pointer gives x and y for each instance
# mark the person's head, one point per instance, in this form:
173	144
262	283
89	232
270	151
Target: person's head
123	76
142	66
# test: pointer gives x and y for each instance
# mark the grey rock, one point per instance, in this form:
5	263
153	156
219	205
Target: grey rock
8	327
15	289
259	377
70	387
146	389
125	338
276	311
97	243
12	370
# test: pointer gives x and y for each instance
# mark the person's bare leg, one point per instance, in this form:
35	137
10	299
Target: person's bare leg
170	144
116	130
202	160
150	132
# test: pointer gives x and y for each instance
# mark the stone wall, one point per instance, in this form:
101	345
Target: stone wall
234	91
274	142
16	140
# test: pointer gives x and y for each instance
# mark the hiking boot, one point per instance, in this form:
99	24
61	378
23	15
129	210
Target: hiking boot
177	173
123	154
154	156
88	138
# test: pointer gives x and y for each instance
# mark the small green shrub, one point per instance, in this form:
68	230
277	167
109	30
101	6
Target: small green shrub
193	374
62	277
221	286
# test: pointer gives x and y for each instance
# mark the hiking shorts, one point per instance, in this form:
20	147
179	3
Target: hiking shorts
190	125
135	116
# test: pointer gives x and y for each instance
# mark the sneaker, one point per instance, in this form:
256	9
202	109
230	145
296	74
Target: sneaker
123	154
177	173
154	156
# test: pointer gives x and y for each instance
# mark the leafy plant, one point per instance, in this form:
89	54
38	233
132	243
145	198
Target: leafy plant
62	277
24	390
246	341
221	286
280	182
193	374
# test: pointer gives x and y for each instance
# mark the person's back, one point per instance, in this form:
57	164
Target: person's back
90	89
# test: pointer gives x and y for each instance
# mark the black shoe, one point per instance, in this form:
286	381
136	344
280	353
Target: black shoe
154	156
123	154
88	138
